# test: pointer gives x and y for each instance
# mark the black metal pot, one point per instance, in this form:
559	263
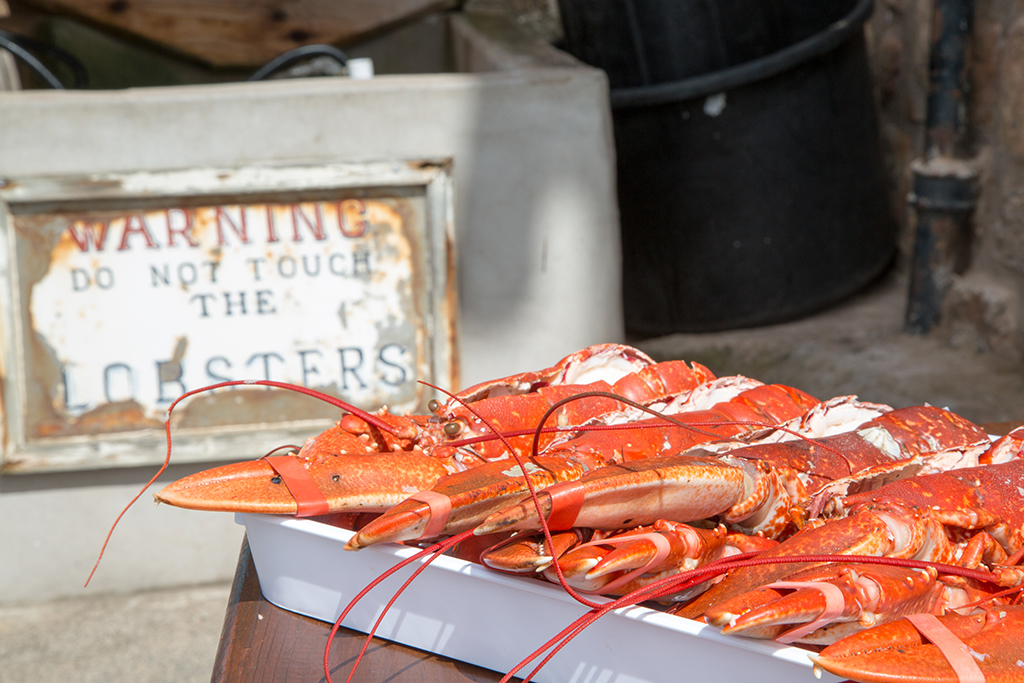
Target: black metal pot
750	181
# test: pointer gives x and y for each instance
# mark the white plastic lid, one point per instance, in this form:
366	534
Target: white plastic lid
360	68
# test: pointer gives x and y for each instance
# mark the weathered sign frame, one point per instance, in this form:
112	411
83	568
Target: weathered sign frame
430	180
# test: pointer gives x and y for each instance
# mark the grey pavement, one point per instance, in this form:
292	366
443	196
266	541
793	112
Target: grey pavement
858	347
147	637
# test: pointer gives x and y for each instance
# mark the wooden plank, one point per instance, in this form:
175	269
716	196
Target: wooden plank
261	643
245	32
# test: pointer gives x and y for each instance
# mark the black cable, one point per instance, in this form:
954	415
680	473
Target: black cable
295	55
78	71
29	59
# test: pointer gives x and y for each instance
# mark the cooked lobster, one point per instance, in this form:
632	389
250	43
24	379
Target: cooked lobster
650	470
970	518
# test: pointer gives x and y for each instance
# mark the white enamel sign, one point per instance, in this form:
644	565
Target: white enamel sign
122	303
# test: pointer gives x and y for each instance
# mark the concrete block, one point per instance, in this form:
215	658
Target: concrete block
981	313
536	234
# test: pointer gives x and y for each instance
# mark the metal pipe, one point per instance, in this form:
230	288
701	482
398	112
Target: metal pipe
943	194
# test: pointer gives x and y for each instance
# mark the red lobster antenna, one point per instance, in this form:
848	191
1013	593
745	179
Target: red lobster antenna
338	403
675	583
442	546
683	580
668	418
437	549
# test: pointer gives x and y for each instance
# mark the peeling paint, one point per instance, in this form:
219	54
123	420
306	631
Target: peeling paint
117	305
123	310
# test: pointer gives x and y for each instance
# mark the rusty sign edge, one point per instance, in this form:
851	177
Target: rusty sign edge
19	455
220	180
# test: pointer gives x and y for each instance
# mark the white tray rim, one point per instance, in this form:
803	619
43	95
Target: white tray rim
793	655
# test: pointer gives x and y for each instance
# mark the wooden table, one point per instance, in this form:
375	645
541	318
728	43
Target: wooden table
261	643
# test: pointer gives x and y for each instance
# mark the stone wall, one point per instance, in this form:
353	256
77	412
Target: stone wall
984	307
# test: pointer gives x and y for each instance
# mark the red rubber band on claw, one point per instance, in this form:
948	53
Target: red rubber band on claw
440	510
309	499
834	603
661	544
566	503
952	648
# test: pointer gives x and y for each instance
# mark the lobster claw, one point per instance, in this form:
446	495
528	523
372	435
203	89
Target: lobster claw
528	553
368	483
621	563
823	604
575	566
980	647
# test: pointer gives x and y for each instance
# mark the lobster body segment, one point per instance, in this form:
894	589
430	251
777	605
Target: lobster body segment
779	477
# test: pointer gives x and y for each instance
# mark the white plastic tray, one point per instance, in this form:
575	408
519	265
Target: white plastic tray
470	613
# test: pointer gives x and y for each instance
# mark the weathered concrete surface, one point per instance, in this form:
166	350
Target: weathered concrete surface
860	348
154	636
899	39
57	522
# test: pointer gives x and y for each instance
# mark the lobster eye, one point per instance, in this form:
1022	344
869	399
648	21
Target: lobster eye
452	429
433	405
